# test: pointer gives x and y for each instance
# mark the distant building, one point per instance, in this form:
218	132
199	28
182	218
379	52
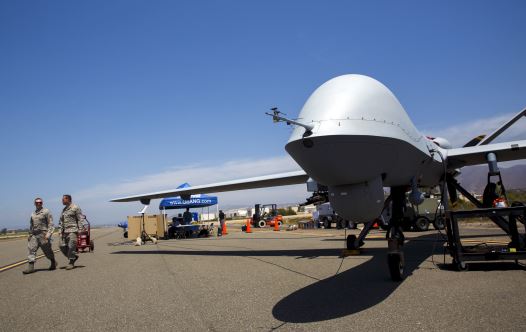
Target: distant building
207	216
237	213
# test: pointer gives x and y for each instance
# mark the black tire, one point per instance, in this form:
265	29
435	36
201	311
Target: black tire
262	223
396	266
460	266
91	245
421	224
339	224
126	234
406	225
439	223
351	239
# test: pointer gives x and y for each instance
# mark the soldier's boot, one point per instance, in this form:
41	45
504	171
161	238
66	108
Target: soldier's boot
30	268
71	264
53	265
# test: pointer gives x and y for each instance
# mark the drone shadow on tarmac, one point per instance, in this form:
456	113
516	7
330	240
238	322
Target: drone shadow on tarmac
345	293
351	291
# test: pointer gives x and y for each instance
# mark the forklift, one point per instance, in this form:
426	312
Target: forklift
266	215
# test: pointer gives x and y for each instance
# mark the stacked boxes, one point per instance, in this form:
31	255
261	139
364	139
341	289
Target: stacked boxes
153	225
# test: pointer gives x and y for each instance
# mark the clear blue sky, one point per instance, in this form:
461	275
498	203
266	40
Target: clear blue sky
98	92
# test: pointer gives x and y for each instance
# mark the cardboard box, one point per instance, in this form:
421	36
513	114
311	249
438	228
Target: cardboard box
134	227
154	225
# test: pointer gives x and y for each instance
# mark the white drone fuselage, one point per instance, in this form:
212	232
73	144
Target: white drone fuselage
362	140
355	138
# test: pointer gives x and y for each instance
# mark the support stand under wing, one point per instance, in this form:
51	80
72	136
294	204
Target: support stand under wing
505	218
462	254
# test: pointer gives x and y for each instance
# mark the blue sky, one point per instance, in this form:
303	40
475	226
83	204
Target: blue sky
97	94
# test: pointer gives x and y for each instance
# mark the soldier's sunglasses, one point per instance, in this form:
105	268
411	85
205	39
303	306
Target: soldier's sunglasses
38	202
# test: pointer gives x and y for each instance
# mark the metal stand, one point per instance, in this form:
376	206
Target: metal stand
505	218
515	250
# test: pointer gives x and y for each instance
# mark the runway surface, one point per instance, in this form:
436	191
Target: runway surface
261	281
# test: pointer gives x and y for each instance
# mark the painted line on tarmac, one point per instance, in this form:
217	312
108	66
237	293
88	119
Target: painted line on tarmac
14	237
10	266
332	235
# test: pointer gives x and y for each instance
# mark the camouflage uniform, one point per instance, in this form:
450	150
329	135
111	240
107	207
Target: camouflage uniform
40	225
70	224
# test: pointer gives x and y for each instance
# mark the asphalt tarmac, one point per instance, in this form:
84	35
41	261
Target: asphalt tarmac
261	281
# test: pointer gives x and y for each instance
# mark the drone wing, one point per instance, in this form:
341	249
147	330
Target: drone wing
475	155
273	180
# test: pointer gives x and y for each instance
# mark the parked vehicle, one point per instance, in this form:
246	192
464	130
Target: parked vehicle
266	215
419	217
325	217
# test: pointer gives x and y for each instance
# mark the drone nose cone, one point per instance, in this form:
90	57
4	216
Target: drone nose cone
355	120
352	98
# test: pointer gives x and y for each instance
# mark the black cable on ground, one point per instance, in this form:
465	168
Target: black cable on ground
344	247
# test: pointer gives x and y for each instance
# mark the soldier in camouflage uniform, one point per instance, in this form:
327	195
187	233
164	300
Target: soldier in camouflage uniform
40	231
71	222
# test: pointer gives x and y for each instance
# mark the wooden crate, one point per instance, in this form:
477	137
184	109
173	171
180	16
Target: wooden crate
154	225
134	227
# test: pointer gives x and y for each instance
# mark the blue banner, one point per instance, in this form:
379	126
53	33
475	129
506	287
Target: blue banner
195	201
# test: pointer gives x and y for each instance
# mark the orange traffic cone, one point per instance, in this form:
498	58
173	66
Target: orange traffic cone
276	225
223	230
248	226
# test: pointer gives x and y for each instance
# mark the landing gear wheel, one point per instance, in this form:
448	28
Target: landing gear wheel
91	245
460	266
280	223
421	224
439	223
407	225
396	266
351	240
262	223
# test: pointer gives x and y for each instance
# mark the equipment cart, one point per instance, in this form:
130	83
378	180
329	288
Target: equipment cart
84	241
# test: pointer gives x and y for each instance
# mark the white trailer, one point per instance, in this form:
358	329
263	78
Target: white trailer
326	216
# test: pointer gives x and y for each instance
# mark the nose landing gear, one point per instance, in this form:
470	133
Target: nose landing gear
395	236
395	254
